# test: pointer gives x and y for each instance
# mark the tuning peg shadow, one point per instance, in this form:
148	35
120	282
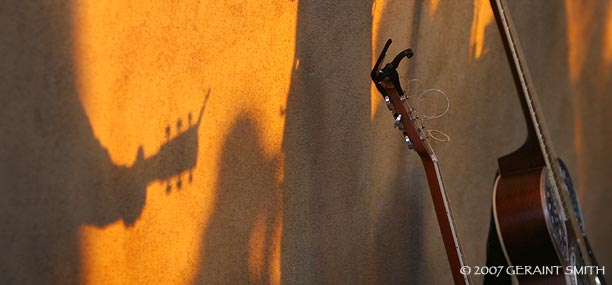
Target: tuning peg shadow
179	125
179	182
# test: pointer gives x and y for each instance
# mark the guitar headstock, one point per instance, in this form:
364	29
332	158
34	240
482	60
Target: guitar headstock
387	81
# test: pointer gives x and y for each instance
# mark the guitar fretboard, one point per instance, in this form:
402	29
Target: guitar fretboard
533	116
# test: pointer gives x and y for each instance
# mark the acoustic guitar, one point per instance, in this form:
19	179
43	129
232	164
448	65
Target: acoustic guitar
535	208
387	82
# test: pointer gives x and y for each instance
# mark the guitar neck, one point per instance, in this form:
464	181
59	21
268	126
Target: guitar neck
537	133
445	220
537	150
387	82
436	187
537	142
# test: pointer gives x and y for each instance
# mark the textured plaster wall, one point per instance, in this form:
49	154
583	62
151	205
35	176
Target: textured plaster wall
226	142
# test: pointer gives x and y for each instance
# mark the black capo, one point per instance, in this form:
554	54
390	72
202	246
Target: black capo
390	69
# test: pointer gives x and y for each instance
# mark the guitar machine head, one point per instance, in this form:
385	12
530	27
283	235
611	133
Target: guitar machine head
387	82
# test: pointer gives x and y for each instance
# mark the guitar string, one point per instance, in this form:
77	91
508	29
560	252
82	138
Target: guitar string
419	99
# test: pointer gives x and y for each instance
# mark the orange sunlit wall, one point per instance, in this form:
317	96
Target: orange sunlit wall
384	14
378	9
483	17
145	69
579	33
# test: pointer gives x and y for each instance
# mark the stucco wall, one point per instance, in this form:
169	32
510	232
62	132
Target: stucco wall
173	142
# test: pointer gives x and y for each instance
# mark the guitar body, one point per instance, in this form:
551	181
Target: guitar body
532	230
535	208
526	225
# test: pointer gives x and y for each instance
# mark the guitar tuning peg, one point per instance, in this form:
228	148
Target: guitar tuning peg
409	142
388	103
398	122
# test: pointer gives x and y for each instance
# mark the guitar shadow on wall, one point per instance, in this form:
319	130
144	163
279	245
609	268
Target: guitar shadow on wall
74	185
176	158
56	175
